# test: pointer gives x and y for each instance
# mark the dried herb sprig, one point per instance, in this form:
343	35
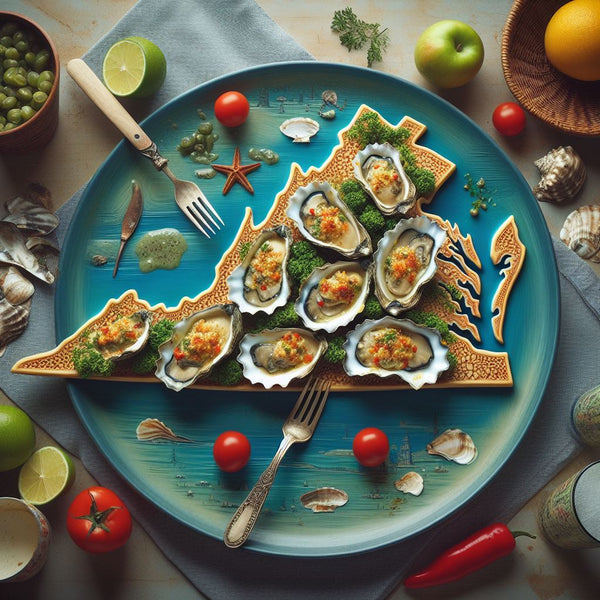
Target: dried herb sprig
354	33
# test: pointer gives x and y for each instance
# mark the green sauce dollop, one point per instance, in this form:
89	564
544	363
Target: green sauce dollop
160	249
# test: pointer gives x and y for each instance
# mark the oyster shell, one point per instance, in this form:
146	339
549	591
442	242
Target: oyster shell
324	499
30	214
15	286
197	344
581	232
378	168
13	321
300	129
563	174
123	337
404	261
266	357
410	483
260	282
454	445
418	358
333	295
317	203
150	430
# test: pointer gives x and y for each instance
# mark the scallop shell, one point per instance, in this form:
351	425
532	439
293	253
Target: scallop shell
300	129
118	353
325	499
429	361
563	174
402	196
581	232
254	368
13	321
410	483
177	376
317	313
30	214
250	300
425	237
15	286
454	445
354	243
150	430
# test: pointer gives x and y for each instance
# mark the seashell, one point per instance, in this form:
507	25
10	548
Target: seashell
325	499
13	321
98	260
15	286
300	129
563	174
417	240
410	483
454	445
321	306
13	251
378	168
581	232
265	360
150	430
27	213
46	250
219	326
39	194
124	337
425	355
330	97
254	289
306	208
328	115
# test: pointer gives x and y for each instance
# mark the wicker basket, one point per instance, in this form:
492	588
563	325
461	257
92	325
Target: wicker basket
567	104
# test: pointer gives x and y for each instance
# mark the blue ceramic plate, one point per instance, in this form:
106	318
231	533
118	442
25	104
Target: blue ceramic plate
182	479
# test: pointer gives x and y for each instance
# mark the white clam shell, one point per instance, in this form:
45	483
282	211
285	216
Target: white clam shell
356	242
562	175
300	129
15	286
391	301
324	499
581	232
316	319
410	483
454	445
417	377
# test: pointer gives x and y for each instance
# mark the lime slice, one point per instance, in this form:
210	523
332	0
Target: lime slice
17	437
134	67
46	475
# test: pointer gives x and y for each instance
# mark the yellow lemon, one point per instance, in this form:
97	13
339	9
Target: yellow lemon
572	39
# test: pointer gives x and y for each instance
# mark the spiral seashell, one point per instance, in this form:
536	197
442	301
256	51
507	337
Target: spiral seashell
410	483
150	430
563	174
454	445
581	232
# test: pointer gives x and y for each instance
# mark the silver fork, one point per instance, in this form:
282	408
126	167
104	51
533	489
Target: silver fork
298	427
188	195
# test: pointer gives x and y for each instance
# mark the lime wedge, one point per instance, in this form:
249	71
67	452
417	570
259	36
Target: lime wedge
46	474
134	67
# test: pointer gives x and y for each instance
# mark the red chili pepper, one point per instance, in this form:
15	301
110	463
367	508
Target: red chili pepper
478	550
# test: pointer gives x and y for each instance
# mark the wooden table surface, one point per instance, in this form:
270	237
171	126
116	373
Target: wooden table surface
534	570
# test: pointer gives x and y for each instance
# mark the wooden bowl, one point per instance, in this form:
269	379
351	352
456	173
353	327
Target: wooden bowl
567	104
37	131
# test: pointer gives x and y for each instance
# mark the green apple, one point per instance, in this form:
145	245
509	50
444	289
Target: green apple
449	53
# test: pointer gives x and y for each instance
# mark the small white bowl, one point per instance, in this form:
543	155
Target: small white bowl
24	540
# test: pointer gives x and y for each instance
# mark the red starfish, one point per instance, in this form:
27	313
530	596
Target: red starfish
236	173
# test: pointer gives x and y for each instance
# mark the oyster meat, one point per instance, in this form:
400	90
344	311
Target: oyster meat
581	232
454	445
333	295
260	282
378	168
324	219
123	337
404	261
399	347
197	344
276	356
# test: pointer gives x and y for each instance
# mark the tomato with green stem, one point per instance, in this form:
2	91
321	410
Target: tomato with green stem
98	521
232	108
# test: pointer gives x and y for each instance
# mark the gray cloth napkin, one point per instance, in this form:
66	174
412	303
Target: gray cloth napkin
243	37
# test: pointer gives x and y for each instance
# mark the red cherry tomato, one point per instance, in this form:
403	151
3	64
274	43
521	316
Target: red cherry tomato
509	118
231	109
98	521
231	451
371	447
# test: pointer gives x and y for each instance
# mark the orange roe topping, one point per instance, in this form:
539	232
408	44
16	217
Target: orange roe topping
392	349
403	263
292	348
200	344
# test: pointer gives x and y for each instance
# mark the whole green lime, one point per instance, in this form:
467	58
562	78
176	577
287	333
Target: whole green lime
17	437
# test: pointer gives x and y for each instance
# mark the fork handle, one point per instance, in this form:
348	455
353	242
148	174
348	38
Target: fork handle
243	521
87	80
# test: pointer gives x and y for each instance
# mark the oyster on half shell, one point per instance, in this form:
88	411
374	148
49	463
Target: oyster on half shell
404	261
333	295
260	282
197	344
324	219
276	356
378	168
390	346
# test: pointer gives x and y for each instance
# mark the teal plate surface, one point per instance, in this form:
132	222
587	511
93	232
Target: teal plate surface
182	479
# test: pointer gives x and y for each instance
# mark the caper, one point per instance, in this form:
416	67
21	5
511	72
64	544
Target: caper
22	46
47	76
38	99
8	28
45	86
8	126
32	78
13	53
27	112
30	58
8	63
41	60
15	116
205	128
6	41
8	103
24	95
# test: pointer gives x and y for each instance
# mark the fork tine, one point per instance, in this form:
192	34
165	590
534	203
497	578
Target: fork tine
214	212
316	392
199	212
194	220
